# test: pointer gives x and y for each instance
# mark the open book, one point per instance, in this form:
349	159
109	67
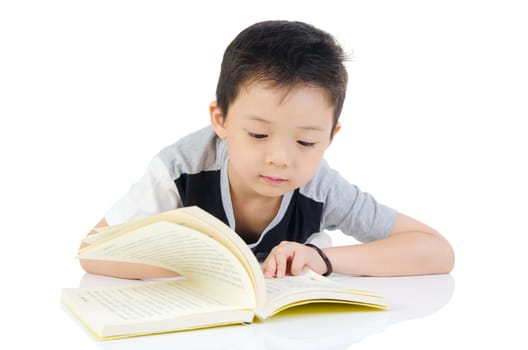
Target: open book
222	284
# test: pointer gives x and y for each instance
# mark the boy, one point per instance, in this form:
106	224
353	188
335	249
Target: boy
259	168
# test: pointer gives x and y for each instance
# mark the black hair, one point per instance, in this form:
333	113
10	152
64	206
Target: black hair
284	54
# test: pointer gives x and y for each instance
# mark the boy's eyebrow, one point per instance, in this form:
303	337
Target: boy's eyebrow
263	120
258	119
311	127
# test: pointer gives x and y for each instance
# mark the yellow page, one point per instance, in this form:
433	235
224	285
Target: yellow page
104	232
202	221
199	220
149	308
203	261
194	218
310	286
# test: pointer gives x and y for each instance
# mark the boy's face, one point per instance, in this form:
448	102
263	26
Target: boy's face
276	138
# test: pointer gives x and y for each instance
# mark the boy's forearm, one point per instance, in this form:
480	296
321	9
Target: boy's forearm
122	269
125	270
411	253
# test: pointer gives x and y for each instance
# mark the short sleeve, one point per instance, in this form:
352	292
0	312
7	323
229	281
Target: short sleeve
154	193
354	212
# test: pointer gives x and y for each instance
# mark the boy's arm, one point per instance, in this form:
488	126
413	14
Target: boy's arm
412	248
122	269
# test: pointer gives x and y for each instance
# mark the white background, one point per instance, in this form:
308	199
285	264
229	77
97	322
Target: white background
432	126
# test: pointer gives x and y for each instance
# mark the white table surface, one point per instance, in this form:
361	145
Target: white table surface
433	311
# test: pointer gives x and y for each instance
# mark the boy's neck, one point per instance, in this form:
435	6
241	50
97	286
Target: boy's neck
253	214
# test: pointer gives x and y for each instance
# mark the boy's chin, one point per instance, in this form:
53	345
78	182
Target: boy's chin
273	192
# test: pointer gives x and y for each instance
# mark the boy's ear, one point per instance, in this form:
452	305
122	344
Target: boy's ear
217	120
336	130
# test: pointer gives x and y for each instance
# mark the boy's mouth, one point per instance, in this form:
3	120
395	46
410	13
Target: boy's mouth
273	180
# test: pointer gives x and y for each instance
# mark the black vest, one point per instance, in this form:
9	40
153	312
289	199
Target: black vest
301	219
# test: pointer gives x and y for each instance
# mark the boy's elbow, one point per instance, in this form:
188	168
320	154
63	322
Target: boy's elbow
445	257
450	263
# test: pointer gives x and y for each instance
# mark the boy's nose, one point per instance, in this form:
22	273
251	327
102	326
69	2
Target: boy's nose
278	154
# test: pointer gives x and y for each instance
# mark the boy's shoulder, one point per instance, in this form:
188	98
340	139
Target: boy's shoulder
326	181
196	138
199	151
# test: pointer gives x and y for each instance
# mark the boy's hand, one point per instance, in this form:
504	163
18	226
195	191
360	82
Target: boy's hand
290	258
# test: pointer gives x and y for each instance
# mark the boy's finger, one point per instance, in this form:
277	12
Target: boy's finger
298	261
281	261
269	267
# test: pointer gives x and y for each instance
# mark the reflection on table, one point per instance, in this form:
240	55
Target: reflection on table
314	326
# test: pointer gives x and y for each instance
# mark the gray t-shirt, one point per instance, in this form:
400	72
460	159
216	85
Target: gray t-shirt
193	171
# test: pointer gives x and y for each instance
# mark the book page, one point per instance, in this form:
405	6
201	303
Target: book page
203	261
145	302
104	232
202	221
136	308
309	286
197	219
291	284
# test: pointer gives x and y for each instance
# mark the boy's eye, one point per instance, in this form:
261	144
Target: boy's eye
257	136
306	144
